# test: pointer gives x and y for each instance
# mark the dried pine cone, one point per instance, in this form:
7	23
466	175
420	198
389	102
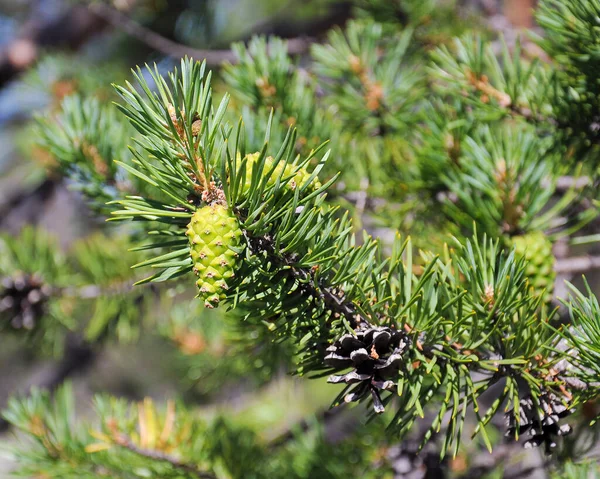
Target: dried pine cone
374	354
23	300
409	461
543	429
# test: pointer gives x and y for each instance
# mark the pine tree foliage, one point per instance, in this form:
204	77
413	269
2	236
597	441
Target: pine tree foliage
88	139
242	200
303	274
496	86
572	42
504	182
372	89
46	295
267	82
148	440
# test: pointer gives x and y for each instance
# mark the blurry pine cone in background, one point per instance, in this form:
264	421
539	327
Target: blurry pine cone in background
543	428
23	301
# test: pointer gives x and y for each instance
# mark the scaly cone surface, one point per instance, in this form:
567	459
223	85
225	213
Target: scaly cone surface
299	178
536	248
215	243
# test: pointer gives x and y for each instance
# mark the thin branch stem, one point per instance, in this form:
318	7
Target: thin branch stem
92	291
186	467
169	47
334	300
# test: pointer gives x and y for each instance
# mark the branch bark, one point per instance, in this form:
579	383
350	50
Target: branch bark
188	468
169	47
76	26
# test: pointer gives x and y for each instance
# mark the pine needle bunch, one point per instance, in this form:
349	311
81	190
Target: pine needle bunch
87	140
504	181
167	441
372	90
571	41
266	81
367	81
263	74
47	294
496	86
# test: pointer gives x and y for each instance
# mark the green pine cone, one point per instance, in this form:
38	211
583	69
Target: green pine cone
536	248
215	241
299	179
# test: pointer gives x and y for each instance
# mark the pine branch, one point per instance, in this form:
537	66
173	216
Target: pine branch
257	232
296	46
333	300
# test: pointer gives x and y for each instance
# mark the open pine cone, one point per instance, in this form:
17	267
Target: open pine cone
374	354
543	428
23	300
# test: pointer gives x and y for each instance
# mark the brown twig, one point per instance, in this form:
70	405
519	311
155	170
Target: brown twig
169	47
186	467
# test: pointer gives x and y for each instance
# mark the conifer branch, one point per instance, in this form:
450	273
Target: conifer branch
423	336
334	300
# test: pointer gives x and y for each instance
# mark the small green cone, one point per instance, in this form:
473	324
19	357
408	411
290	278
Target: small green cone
536	248
215	241
299	179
